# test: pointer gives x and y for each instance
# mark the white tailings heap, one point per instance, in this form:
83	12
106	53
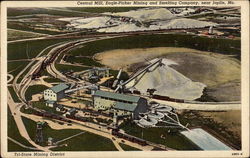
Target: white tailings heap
156	18
204	140
167	82
182	23
147	14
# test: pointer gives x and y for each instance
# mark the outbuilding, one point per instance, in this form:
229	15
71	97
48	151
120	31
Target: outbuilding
55	93
50	103
71	112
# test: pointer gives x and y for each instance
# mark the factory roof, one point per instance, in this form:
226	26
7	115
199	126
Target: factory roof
60	106
100	68
125	106
117	96
60	87
50	102
72	110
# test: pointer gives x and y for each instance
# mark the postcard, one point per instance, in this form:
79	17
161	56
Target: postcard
125	78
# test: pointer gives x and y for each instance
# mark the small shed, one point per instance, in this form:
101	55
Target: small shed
50	141
72	112
50	103
60	108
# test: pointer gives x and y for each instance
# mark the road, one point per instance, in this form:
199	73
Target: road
21	127
10	78
22	87
69	137
20	91
51	68
77	34
85	127
24	84
26	79
30	32
24	146
217	106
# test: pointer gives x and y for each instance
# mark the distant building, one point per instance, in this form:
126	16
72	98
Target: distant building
55	93
50	103
120	104
100	72
71	112
123	109
50	141
60	108
210	30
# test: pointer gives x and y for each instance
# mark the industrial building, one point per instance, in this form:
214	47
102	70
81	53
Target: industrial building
101	72
119	104
55	93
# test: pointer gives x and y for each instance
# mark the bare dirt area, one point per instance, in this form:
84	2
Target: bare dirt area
229	119
219	72
211	69
123	58
73	105
223	91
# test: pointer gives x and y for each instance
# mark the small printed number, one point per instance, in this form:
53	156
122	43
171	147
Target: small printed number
235	154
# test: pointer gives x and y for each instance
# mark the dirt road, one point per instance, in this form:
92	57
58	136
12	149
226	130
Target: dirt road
21	127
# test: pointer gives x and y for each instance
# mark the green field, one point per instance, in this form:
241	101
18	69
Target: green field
17	35
18	51
26	111
47	131
223	46
30	127
13	133
26	27
25	73
78	143
33	48
14	67
128	148
66	68
34	90
173	139
87	142
13	94
13	147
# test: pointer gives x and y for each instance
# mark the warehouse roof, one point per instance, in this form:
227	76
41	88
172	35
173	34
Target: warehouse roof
125	106
72	110
117	96
50	102
60	87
